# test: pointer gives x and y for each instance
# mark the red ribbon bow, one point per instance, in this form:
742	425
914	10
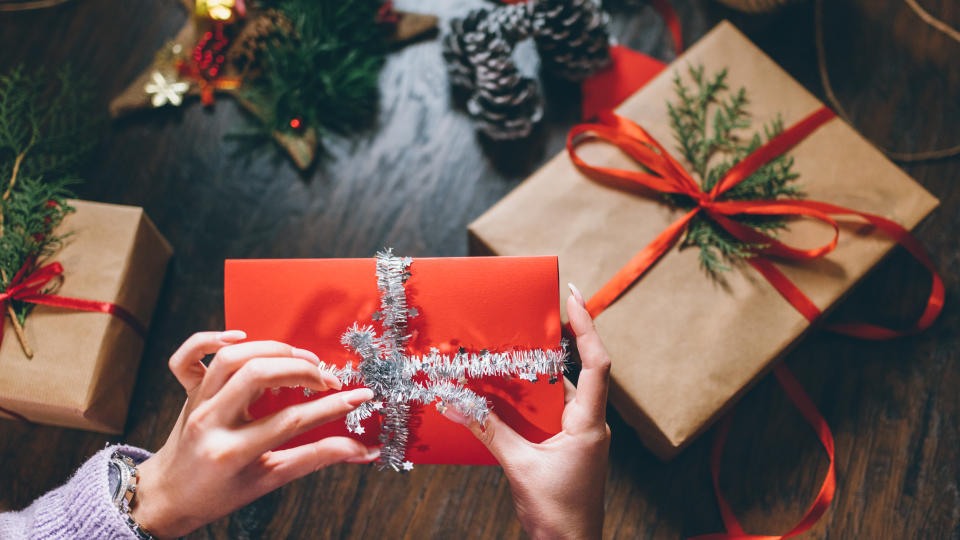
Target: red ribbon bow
670	177
32	289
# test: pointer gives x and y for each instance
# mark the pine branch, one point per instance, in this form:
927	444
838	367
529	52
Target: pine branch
322	68
707	123
45	131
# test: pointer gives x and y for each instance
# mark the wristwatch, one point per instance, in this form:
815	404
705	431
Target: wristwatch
122	478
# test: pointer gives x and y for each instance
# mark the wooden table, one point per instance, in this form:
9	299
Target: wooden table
416	179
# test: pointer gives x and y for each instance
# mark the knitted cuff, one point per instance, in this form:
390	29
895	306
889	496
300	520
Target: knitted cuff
83	507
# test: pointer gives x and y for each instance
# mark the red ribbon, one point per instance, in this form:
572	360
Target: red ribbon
668	176
669	17
207	86
31	289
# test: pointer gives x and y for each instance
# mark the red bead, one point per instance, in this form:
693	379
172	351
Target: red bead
295	123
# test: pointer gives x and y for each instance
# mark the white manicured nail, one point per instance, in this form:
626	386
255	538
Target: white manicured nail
576	294
306	355
233	336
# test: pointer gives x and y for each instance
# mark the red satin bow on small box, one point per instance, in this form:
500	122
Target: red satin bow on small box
31	288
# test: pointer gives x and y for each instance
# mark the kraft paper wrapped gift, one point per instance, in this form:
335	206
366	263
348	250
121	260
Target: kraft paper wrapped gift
683	347
84	364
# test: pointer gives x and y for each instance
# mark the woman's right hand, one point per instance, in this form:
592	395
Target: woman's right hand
558	484
218	458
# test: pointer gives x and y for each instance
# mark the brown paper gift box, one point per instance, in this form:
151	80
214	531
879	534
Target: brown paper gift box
84	364
669	381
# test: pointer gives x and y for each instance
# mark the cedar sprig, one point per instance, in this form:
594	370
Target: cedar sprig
322	68
707	121
47	128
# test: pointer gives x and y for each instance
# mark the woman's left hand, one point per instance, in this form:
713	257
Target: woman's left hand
218	458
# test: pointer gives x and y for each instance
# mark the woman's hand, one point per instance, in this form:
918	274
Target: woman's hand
217	458
557	485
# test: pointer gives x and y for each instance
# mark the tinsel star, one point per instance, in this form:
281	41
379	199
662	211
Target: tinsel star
394	374
163	91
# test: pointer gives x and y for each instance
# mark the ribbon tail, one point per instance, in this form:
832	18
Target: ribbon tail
669	17
801	401
935	299
730	522
638	265
805	405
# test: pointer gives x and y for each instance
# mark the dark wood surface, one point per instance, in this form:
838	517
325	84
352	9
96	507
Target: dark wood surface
421	174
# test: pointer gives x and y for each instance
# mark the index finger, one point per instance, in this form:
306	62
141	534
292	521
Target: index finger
186	363
595	373
230	359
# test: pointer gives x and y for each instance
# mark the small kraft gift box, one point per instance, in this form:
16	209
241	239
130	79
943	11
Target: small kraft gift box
687	342
94	300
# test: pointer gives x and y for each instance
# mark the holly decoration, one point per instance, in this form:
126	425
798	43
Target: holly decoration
302	68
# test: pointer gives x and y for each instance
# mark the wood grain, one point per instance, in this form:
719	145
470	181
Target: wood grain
421	174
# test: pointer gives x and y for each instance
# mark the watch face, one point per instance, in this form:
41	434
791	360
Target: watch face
113	479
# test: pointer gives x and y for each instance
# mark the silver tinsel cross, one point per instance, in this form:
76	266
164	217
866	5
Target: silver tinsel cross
386	368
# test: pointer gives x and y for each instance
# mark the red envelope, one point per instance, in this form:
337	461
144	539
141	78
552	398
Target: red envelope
493	303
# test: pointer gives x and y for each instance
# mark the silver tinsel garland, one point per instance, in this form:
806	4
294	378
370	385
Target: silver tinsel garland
386	368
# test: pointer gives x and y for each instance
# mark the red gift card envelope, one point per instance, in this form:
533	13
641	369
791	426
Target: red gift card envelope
462	312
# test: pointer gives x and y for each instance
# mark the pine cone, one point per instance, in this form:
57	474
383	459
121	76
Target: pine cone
571	36
505	105
513	21
464	41
468	42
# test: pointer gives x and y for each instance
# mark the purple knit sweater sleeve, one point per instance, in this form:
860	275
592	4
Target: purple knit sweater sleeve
81	508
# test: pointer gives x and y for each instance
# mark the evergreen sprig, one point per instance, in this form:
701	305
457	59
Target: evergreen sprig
706	126
46	129
322	67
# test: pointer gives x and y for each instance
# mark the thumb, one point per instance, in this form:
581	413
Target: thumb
502	441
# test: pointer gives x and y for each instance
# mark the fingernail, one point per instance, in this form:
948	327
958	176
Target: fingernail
331	380
358	396
576	294
372	455
306	355
233	336
454	415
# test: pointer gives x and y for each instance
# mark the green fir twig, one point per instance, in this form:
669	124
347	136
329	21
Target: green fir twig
322	68
707	122
46	129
